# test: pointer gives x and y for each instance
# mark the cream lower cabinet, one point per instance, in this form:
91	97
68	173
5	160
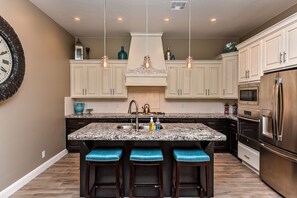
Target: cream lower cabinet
250	63
206	80
229	75
84	80
179	81
112	80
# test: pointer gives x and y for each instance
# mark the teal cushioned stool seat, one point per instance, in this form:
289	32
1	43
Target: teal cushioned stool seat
190	155
105	155
146	155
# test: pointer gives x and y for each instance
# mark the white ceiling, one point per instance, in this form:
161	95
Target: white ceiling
235	18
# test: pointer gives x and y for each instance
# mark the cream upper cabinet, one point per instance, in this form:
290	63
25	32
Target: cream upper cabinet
84	80
199	81
273	51
179	81
250	62
206	80
243	64
112	80
280	50
255	54
230	73
290	56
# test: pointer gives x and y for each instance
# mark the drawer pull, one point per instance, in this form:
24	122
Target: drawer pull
81	123
247	157
233	125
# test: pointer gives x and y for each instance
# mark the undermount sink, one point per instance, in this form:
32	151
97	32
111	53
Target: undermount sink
127	127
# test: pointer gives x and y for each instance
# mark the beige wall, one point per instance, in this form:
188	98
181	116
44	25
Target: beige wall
202	49
32	120
271	22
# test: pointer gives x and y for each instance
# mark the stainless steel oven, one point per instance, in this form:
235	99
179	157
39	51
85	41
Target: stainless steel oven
249	119
249	127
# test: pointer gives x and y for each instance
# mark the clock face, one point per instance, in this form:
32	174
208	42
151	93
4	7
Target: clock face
12	61
5	60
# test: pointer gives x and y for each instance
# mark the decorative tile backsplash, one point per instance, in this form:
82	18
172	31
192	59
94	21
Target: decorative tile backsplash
155	97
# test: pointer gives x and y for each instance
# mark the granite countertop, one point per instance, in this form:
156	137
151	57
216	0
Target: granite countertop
167	115
170	132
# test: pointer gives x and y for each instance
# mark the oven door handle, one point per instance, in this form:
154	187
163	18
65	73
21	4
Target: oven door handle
248	119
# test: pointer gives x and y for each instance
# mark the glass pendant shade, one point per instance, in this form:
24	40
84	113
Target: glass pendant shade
147	62
189	62
105	61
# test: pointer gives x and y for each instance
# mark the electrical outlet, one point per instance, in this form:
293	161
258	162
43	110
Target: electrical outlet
43	154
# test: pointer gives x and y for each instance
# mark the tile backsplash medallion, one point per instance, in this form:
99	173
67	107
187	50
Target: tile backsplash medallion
155	97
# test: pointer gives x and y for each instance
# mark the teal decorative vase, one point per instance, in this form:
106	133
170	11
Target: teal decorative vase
79	108
122	55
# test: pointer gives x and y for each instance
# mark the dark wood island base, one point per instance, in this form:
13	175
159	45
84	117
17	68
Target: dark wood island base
188	175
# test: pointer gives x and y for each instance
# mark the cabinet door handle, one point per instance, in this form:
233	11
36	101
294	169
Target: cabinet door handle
284	57
247	157
236	136
248	73
206	91
181	92
223	91
112	91
280	58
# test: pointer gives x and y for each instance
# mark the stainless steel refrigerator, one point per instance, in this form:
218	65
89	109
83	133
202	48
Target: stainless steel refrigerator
278	150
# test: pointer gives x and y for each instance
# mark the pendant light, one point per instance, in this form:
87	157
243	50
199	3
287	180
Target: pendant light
189	59
147	59
105	57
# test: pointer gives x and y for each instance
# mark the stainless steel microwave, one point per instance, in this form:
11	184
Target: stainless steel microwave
249	94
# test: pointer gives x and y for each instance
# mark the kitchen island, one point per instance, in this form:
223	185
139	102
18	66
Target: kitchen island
173	135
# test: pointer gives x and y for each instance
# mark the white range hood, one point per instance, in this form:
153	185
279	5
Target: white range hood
136	74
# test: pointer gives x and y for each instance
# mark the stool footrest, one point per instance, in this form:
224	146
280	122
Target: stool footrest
105	185
147	185
189	185
145	197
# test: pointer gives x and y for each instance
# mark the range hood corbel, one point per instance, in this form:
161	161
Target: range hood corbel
136	74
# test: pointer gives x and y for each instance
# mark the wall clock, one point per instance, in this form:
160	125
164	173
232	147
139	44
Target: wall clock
12	61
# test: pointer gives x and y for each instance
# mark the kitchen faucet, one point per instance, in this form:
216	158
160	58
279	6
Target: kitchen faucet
136	115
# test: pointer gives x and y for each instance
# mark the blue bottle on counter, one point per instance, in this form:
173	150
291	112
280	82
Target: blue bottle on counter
79	108
158	125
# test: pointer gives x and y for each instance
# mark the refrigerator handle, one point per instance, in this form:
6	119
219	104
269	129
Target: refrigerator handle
278	153
274	110
280	107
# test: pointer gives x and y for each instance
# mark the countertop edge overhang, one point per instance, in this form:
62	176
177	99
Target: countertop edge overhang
167	115
170	132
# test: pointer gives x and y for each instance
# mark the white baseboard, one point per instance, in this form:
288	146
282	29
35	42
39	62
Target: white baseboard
34	173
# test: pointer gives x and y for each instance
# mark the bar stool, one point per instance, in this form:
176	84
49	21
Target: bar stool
146	157
103	157
193	158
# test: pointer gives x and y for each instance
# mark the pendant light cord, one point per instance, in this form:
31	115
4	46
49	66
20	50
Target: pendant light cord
104	27
190	19
146	28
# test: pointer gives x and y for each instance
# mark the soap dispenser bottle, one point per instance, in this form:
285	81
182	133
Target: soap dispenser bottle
158	125
152	125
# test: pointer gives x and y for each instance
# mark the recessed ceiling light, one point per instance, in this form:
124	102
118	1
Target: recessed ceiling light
120	19
213	20
76	18
166	19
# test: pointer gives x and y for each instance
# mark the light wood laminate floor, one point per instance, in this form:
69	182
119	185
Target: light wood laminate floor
232	180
